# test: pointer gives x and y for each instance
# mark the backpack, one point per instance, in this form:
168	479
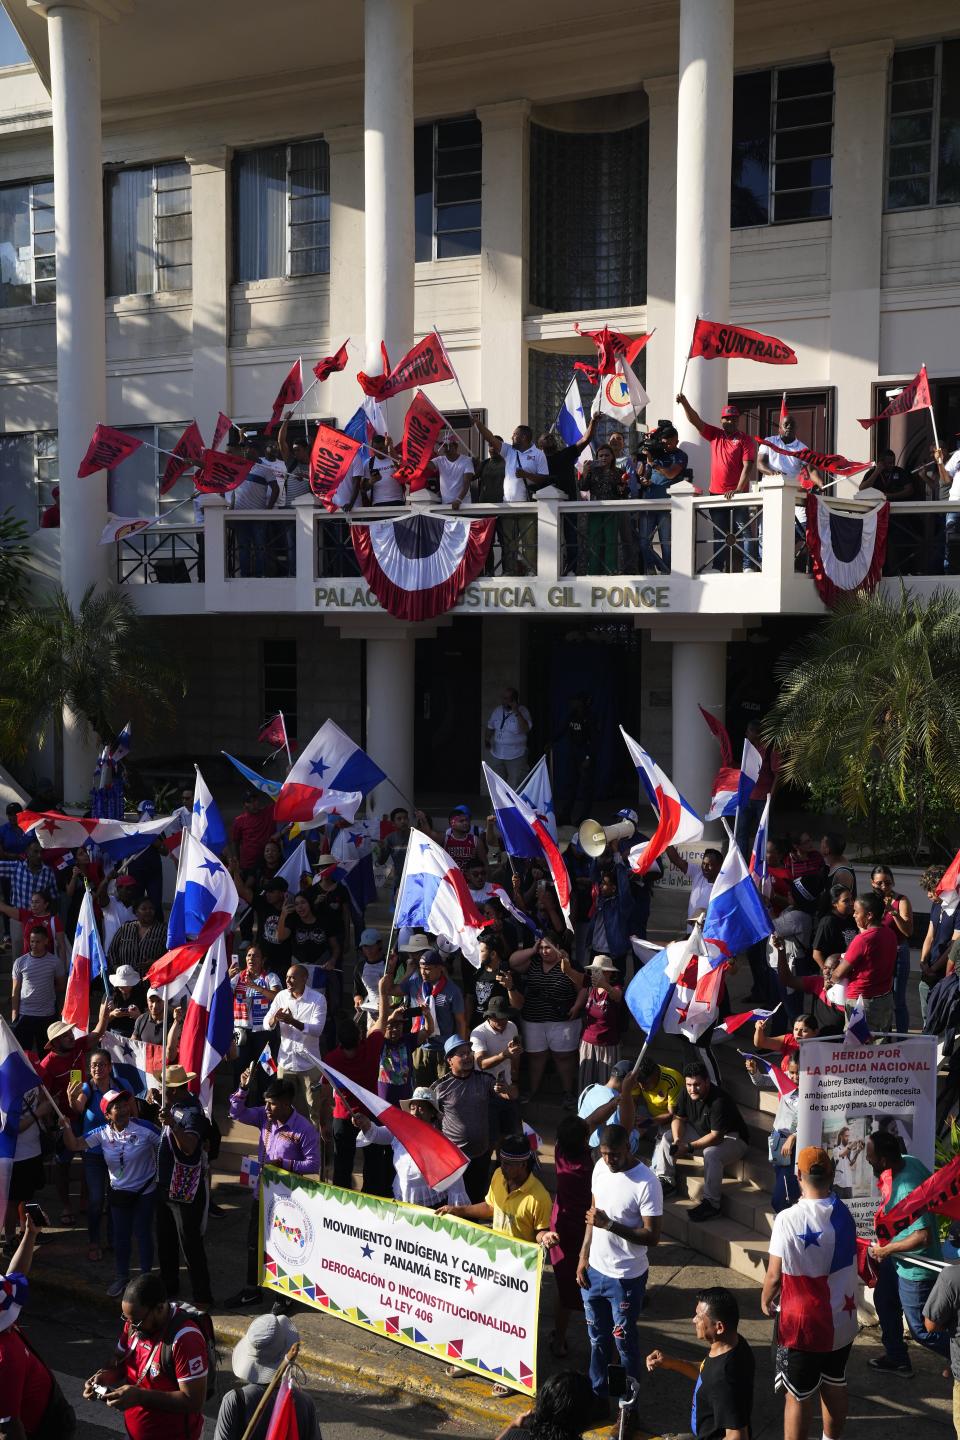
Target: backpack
943	1006
204	1324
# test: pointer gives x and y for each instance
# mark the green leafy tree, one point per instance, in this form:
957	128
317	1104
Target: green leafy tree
870	702
14	555
98	661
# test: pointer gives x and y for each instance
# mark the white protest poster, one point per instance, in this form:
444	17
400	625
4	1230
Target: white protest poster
848	1091
448	1288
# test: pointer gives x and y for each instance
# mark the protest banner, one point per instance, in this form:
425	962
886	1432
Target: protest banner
848	1091
445	1287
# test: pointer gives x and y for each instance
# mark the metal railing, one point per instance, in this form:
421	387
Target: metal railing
615	537
262	545
923	537
161	557
728	535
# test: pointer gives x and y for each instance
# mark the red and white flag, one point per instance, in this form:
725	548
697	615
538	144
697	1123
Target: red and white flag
283	1417
289	393
221	472
274	733
439	1161
612	345
121	526
734	1022
221	430
331	460
86	963
913	396
715	340
425	364
422	428
108	449
208	1023
330	364
948	891
818	459
187	454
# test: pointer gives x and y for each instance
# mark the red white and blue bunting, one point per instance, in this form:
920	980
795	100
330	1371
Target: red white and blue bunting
418	567
846	549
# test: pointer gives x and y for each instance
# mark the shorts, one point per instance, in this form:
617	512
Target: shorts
802	1372
558	1036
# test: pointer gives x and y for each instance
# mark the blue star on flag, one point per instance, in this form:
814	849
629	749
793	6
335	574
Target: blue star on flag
367	1252
197	808
811	1237
319	767
212	866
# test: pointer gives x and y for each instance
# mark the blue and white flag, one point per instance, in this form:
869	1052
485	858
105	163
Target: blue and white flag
858	1032
537	791
526	836
17	1078
651	990
571	421
298	864
208	1023
254	778
758	855
206	822
736	917
433	896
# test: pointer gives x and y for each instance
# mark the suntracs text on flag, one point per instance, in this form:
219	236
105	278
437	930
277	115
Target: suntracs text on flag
715	340
422	428
108	449
221	472
914	396
331	458
425	364
187	452
818	459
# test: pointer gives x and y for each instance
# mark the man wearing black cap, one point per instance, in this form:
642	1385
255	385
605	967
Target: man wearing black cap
266	906
497	1049
732	460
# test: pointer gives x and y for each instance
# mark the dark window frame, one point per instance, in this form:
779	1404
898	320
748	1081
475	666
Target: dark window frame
290	149
932	174
273	689
439	154
773	159
157	189
38	187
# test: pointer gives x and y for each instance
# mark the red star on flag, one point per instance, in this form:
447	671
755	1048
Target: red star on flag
849	1305
470	1285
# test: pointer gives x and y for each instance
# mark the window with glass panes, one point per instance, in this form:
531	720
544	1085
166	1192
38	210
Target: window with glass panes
29	470
588	218
782	145
447	160
923	128
27	260
281	211
134	487
148	214
279	671
548	377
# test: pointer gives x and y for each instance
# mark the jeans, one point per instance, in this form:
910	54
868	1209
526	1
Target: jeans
786	1188
181	1227
878	1010
131	1221
611	1307
901	981
655	522
95	1179
476	1178
897	1298
252	547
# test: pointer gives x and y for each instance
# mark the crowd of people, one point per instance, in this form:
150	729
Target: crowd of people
528	467
538	1031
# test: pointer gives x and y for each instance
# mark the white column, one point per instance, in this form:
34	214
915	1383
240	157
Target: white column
704	141
856	229
699	678
661	386
503	263
390	672
73	32
388	182
339	395
210	179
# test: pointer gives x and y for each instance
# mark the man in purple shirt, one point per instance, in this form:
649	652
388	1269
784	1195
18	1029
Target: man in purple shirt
288	1141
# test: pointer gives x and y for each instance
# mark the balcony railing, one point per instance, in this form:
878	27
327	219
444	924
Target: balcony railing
696	555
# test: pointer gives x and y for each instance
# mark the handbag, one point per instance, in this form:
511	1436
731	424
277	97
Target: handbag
184	1183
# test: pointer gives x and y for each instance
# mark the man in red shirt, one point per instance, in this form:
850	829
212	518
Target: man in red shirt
868	964
29	1395
253	827
732	460
159	1401
359	1060
65	1053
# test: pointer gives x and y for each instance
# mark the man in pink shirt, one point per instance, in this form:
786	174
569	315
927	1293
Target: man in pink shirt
732	460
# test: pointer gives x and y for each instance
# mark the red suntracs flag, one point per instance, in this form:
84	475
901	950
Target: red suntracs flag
221	472
914	396
221	430
425	364
421	429
108	449
331	363
331	457
187	452
611	345
273	733
818	459
289	393
714	340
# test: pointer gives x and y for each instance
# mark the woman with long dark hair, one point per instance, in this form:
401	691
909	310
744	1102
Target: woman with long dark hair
564	1410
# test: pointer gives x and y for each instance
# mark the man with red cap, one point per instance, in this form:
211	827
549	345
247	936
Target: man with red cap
732	460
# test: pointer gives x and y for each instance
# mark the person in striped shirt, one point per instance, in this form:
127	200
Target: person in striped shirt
39	980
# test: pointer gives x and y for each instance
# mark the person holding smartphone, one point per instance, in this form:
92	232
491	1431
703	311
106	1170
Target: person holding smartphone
29	1392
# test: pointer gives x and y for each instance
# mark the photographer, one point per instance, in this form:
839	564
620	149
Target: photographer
659	463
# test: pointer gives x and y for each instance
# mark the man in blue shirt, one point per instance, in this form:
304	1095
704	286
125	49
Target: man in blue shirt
432	989
663	463
13	840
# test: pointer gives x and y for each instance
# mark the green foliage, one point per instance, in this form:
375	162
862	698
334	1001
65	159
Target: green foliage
890	830
98	662
14	553
868	717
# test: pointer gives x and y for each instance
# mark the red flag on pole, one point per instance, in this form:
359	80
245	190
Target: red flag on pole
221	431
425	364
818	459
331	457
611	346
289	393
273	733
713	340
187	452
108	449
283	1423
719	730
328	366
784	412
221	472
914	396
421	430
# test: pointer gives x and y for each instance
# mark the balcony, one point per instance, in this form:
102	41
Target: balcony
699	555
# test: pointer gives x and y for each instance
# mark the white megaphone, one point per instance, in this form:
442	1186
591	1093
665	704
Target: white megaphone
594	837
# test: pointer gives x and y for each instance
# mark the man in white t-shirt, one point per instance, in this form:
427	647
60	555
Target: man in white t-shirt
522	460
379	481
623	1221
701	878
506	738
774	462
456	473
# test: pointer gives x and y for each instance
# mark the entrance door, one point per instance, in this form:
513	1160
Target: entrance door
447	734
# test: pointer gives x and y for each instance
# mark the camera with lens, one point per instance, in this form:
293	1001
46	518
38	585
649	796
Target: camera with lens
651	445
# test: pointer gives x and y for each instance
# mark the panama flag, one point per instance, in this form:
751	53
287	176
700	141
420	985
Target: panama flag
758	855
366	421
208	1024
204	904
266	1060
571	422
119	839
352	849
697	999
734	1022
526	835
17	1078
439	1161
258	781
297	865
817	1245
652	988
780	1078
332	773
858	1032
139	1063
678	822
433	896
732	788
948	891
736	917
206	822
86	963
537	792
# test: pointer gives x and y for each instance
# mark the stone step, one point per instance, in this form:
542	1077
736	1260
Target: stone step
724	1239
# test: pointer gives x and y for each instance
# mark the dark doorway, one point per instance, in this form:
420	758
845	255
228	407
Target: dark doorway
448	727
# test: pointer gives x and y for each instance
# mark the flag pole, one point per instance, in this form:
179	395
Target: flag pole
289	1358
166	999
286	742
683	377
396	906
456	378
933	418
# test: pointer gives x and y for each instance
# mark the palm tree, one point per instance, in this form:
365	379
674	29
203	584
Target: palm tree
98	662
871	697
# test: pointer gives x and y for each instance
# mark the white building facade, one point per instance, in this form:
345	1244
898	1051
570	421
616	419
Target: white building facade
232	190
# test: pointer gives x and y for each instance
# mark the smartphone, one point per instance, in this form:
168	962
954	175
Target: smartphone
37	1215
76	1077
616	1381
101	1390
